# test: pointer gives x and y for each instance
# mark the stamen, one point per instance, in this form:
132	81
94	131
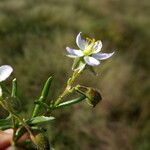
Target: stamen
89	40
90	44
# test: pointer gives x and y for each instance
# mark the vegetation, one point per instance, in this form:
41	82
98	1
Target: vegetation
33	38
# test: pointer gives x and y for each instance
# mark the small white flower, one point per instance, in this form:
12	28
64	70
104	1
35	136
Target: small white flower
89	51
5	72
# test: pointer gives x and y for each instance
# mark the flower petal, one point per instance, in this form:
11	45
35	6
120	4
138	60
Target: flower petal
1	93
74	53
80	42
5	72
97	46
91	61
102	56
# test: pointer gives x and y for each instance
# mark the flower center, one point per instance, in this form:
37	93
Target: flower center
89	47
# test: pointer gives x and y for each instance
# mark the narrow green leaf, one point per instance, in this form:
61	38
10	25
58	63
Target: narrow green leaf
14	88
46	88
40	119
70	102
43	96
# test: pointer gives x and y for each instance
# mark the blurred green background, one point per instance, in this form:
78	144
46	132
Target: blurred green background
33	37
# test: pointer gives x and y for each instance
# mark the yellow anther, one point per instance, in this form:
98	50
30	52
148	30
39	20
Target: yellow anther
89	40
89	48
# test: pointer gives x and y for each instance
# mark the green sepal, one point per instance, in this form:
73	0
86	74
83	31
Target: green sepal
75	63
78	64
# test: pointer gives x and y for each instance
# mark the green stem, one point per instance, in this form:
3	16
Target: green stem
68	87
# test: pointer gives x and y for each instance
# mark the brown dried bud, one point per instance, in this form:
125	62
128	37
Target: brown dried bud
93	96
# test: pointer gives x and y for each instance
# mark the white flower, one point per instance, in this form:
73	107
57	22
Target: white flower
5	72
89	51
